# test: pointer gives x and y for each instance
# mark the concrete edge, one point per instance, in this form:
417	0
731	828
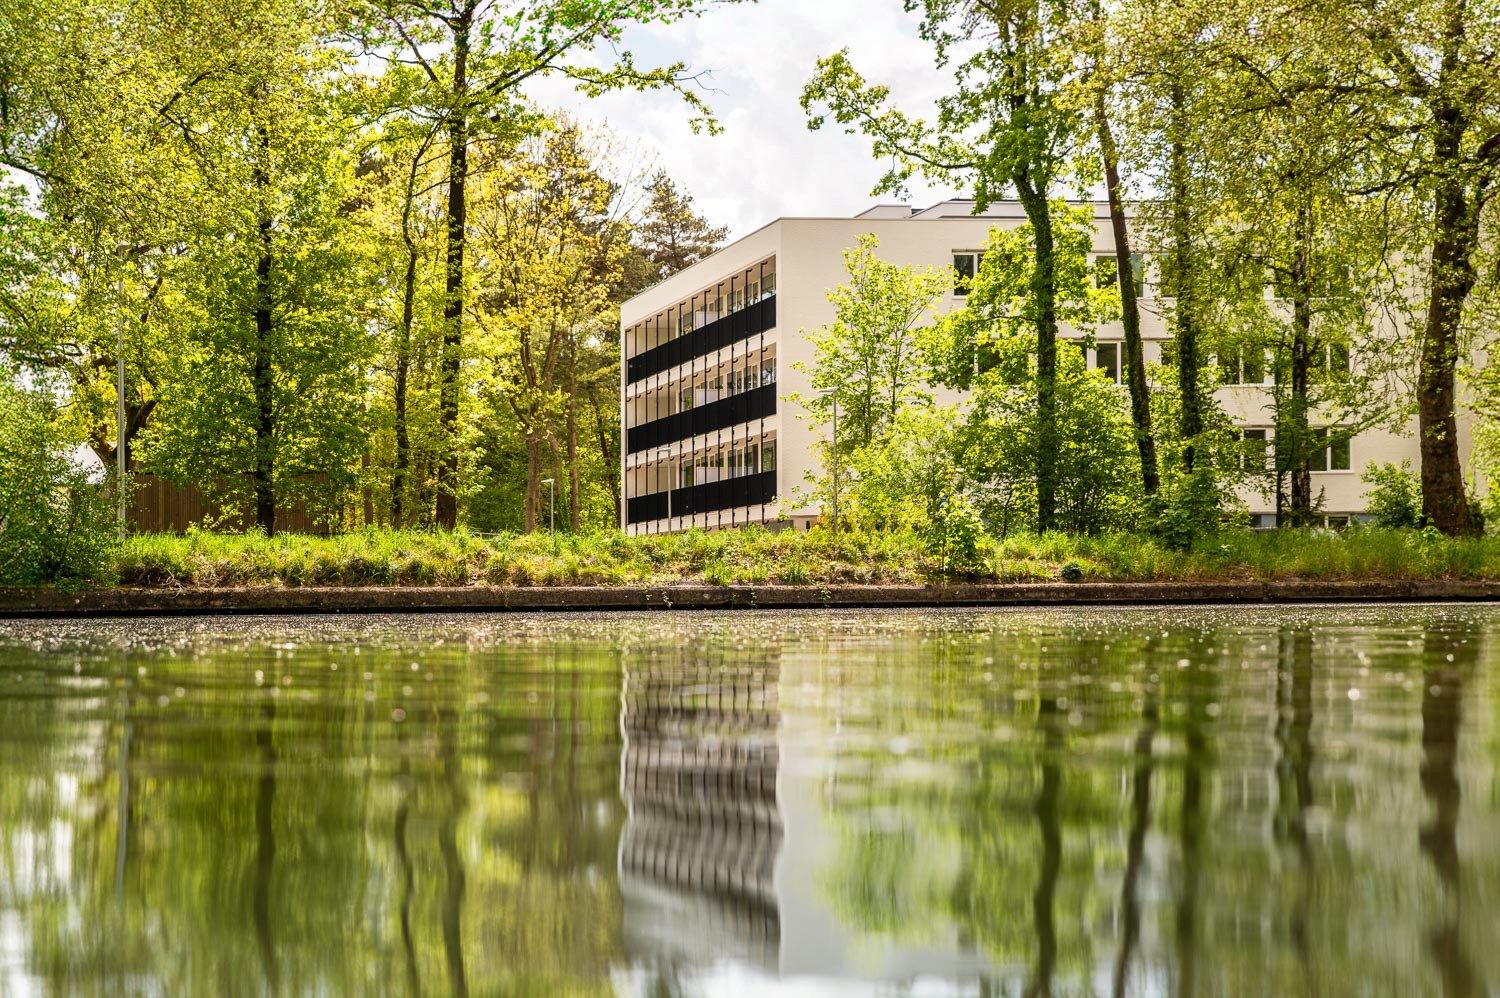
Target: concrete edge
126	602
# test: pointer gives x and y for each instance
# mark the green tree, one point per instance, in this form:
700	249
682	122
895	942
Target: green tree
550	235
868	358
1011	122
1424	78
266	399
670	235
987	348
55	525
475	57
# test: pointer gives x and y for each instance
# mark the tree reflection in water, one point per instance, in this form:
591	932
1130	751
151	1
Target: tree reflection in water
1125	802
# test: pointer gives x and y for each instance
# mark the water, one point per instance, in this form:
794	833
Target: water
1225	801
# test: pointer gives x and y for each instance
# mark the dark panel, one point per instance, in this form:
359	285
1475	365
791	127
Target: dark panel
757	403
746	490
703	341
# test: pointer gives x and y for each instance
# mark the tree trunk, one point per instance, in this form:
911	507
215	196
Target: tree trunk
1134	360
607	454
1044	295
1185	333
262	375
1455	237
1295	417
403	369
453	300
572	448
533	480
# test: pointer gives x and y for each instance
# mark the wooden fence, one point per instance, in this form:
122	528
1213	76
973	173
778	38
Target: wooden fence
157	505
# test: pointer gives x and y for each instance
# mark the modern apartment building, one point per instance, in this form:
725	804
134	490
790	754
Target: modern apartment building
710	435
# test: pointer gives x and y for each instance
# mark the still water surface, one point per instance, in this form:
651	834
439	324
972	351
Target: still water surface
1268	801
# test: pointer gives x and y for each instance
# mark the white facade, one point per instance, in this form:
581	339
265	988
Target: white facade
803	259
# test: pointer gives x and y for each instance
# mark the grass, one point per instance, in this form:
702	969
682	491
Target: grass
755	556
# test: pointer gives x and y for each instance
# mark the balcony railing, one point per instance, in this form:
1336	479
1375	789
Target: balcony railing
728	493
757	403
704	340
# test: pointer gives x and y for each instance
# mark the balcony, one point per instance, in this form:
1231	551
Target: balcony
704	340
757	403
728	493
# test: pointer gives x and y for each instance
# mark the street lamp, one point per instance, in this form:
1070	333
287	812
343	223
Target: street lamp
834	449
551	505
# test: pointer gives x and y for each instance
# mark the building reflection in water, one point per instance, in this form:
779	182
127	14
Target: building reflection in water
703	829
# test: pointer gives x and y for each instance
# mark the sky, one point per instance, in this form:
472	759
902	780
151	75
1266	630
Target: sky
766	164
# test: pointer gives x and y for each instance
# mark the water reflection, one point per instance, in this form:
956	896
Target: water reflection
1143	802
698	776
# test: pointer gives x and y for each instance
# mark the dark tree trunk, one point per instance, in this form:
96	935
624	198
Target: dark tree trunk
262	374
533	479
1134	360
1455	238
403	372
453	301
1044	295
1297	404
1190	418
607	454
574	510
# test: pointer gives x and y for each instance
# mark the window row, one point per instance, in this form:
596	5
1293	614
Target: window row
734	460
1327	455
728	296
966	264
697	390
1256	366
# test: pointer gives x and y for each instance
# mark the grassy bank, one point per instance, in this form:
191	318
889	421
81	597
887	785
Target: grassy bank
391	558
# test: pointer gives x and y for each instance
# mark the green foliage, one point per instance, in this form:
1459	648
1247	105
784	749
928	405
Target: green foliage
55	525
754	556
1394	495
1098	478
867	358
1000	312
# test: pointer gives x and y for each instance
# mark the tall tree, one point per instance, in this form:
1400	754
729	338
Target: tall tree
868	359
267	397
671	235
1011	123
550	235
476	55
1425	73
1289	224
1126	277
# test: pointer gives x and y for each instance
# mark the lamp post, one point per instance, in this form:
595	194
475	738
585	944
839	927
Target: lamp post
834	453
551	505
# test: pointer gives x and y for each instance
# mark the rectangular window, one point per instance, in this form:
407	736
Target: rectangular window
1107	359
686	477
768	372
768	456
1256	453
1332	361
1243	366
963	266
1106	272
768	285
1328	456
1253	366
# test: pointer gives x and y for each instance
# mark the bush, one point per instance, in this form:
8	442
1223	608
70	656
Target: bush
1394	498
55	525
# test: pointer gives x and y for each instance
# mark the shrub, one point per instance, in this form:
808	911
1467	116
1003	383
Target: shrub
1394	497
55	525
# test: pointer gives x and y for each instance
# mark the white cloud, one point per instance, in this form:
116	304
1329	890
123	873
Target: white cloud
766	164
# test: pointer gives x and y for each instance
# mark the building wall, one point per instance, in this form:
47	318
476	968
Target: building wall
810	263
